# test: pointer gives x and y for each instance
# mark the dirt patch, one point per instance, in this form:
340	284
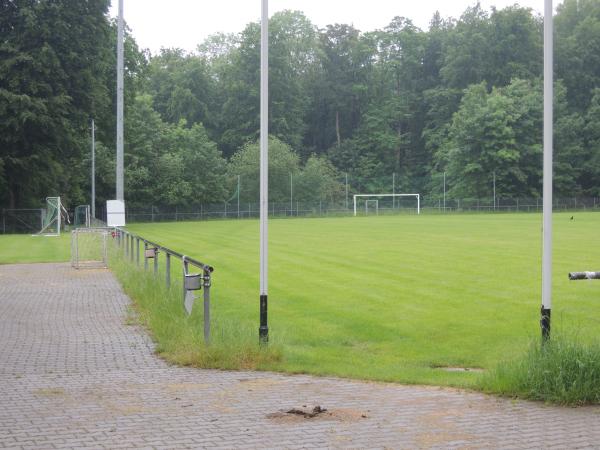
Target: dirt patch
49	392
318	413
459	369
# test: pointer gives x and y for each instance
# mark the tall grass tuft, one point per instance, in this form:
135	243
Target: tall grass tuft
564	371
179	339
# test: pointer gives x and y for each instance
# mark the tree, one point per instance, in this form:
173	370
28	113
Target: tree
496	133
292	48
50	55
578	49
318	180
246	163
170	164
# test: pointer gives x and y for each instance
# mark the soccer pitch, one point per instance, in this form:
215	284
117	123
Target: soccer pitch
397	298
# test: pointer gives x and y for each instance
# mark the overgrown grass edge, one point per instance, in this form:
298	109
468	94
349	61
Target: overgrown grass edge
564	370
179	339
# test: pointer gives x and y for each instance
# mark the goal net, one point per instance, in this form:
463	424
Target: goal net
89	248
381	203
82	216
54	218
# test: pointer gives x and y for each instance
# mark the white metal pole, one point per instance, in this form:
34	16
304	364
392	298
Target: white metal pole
120	103
93	202
494	189
291	194
347	192
393	190
264	168
354	198
238	196
418	203
444	191
547	179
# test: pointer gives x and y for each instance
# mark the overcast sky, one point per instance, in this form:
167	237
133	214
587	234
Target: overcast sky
185	23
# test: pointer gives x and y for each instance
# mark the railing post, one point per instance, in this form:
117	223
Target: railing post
155	261
207	283
137	246
145	259
168	269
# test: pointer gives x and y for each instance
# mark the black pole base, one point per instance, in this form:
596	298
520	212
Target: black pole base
545	323
263	330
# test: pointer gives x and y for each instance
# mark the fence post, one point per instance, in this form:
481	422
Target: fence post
152	212
168	269
156	261
3	222
145	259
207	306
137	251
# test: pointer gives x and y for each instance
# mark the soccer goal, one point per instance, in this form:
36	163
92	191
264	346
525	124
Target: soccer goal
82	216
89	248
54	218
372	201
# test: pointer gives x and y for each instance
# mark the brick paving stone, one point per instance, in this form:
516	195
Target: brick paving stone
74	375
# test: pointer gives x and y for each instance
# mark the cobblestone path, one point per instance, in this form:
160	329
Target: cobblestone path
74	375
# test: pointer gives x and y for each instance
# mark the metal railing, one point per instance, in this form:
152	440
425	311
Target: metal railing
131	243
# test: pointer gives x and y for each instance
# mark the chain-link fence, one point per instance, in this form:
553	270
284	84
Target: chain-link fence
15	221
156	213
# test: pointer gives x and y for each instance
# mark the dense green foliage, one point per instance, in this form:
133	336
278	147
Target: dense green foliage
395	297
463	97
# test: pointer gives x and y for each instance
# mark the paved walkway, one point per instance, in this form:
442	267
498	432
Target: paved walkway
73	374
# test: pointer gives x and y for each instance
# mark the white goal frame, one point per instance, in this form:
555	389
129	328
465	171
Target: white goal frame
376	206
418	196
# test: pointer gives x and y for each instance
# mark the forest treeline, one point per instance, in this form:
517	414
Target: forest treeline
462	98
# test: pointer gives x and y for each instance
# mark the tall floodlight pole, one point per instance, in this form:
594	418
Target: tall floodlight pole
346	191
93	174
494	183
120	103
547	183
393	190
263	331
444	191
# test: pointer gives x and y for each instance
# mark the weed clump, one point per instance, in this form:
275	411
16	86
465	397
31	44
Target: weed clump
563	370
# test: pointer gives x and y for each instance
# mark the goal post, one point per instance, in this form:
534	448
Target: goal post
82	216
356	197
375	202
53	219
89	247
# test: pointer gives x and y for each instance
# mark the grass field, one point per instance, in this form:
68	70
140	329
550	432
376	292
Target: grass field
397	298
394	298
24	248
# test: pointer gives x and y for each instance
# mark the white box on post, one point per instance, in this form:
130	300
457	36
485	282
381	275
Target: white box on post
115	213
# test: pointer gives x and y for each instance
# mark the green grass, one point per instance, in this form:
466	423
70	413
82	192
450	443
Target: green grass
563	370
24	248
179	338
396	298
